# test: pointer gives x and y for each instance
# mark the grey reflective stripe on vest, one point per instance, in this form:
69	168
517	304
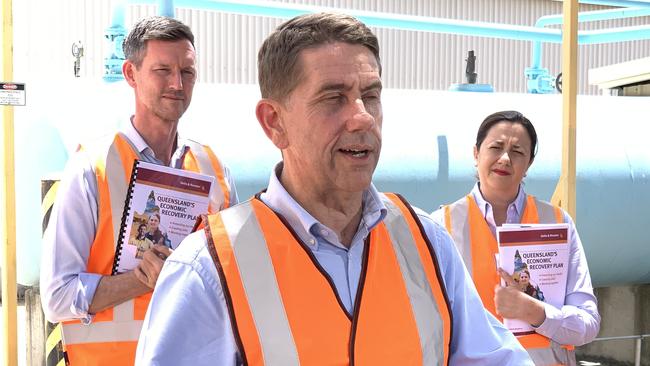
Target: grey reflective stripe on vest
117	187
545	212
260	285
217	199
122	328
459	212
100	332
423	304
554	355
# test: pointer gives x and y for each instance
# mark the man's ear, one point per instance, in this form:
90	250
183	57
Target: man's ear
475	156
269	115
128	70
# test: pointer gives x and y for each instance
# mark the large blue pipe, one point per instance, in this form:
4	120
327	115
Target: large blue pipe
412	23
419	23
114	35
620	3
427	156
591	16
166	8
117	17
538	78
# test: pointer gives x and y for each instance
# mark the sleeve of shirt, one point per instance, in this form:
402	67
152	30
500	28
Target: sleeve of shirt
66	288
234	198
477	337
187	322
578	321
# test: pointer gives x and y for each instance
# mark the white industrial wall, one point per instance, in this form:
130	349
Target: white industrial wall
227	43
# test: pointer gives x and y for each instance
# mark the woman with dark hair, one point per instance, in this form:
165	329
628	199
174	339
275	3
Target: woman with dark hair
505	148
153	230
522	278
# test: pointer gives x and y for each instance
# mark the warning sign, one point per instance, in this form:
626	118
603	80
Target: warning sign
12	93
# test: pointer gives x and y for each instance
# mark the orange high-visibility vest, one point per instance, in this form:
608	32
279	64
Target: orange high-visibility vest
112	337
478	246
285	309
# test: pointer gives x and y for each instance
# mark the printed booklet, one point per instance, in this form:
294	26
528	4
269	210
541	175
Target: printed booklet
162	206
536	256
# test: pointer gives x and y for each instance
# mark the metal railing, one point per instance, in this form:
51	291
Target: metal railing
637	344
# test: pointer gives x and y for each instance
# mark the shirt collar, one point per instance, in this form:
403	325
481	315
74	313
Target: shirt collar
134	136
303	223
147	152
485	206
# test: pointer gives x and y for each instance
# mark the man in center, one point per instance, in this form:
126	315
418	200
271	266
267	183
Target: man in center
321	268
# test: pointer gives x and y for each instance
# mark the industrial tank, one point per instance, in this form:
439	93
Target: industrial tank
428	138
426	156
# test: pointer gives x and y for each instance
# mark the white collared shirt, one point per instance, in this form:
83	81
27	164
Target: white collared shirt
578	321
66	288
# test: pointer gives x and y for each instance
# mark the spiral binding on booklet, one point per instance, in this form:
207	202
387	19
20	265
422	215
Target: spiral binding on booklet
127	206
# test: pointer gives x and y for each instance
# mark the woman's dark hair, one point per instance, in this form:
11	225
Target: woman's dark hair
508	116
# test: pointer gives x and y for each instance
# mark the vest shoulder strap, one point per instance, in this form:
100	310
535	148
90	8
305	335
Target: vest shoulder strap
420	268
458	226
547	212
209	164
238	247
456	217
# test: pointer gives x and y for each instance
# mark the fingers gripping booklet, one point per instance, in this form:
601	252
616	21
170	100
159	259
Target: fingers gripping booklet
537	258
161	207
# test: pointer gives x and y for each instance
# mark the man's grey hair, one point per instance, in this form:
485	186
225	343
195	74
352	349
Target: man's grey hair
278	61
153	28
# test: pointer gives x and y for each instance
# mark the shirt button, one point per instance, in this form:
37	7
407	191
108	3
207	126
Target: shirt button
312	241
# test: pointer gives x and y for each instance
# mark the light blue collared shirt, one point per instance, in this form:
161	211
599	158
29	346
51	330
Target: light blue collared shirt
578	321
66	288
188	322
514	210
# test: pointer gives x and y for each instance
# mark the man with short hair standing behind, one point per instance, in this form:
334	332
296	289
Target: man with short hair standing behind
321	268
103	314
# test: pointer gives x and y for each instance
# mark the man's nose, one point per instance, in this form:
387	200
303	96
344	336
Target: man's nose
176	80
359	118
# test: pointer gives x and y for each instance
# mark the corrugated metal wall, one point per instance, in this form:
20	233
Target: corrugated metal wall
227	43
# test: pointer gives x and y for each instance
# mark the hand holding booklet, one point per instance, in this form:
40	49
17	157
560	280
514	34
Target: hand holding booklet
161	207
536	256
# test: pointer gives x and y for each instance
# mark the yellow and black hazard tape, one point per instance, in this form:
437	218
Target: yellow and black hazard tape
54	351
54	346
48	201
